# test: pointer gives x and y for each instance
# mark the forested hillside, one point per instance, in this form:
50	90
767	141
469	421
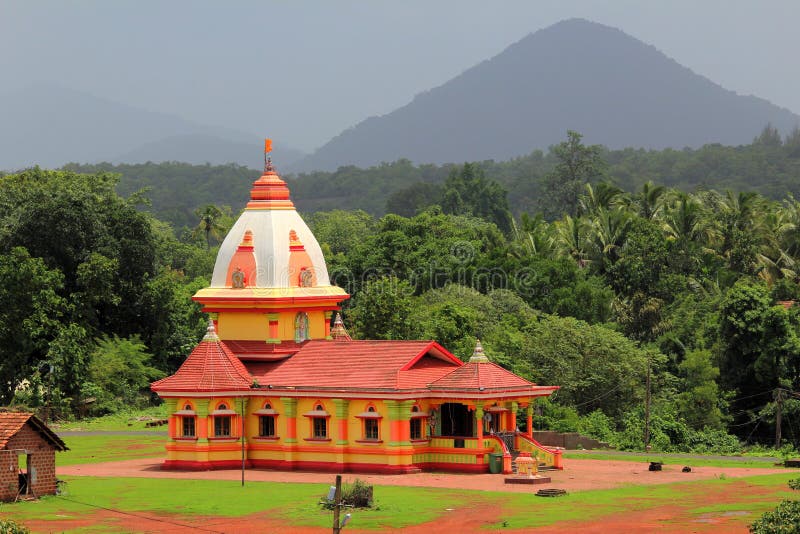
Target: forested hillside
770	165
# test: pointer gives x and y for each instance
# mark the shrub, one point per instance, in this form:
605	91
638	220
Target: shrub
358	494
9	526
783	520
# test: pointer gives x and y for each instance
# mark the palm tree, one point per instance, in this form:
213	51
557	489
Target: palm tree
650	200
571	239
211	223
532	237
609	233
602	196
686	220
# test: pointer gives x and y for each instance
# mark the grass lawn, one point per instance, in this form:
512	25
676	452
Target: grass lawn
675	459
293	503
589	505
115	422
107	448
296	504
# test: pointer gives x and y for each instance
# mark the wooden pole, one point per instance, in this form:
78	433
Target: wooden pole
242	437
647	409
337	501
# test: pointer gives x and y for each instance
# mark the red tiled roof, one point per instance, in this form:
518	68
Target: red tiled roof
372	364
210	367
480	376
12	422
261	350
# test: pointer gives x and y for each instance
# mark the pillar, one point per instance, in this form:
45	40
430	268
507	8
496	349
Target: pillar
171	406
479	431
290	411
342	409
202	420
399	445
529	428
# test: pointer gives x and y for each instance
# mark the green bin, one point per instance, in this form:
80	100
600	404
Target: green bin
496	463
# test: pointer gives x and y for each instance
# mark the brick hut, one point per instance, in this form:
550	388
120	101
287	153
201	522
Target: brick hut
27	456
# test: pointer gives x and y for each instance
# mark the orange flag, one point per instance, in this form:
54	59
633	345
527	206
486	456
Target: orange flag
267	145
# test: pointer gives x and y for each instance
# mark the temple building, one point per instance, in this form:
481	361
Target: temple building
278	383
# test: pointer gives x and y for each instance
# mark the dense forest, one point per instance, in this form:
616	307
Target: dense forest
769	165
604	283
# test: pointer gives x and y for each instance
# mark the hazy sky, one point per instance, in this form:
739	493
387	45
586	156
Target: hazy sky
302	71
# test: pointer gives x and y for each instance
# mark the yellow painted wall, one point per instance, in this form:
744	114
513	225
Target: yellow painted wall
241	325
254	326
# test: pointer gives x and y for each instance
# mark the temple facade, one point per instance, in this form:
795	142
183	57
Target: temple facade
278	382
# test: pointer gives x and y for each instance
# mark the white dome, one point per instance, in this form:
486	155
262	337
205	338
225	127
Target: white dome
270	229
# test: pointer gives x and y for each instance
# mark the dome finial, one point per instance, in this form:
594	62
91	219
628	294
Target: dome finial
338	332
211	332
267	160
478	356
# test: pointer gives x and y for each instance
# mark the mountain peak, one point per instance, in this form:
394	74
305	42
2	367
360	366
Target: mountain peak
574	75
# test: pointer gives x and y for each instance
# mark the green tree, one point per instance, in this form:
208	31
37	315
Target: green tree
382	309
577	165
596	367
119	373
409	201
699	398
31	311
468	192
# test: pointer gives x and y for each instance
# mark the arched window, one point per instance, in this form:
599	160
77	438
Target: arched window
319	422
301	327
370	423
266	421
222	421
187	416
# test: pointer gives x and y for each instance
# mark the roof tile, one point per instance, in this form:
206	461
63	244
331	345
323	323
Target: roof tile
210	367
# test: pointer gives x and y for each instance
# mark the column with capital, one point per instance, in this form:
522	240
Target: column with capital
290	412
529	412
399	448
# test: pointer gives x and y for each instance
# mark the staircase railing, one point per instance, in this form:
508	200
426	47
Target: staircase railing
550	457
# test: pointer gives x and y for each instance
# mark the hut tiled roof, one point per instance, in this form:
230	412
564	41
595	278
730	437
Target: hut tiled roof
12	422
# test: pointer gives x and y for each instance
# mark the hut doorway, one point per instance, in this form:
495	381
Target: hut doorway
24	473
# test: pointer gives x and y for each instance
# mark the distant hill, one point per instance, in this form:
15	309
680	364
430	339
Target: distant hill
203	148
49	125
577	75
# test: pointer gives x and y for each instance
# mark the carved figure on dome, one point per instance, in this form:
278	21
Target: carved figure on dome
237	279
306	277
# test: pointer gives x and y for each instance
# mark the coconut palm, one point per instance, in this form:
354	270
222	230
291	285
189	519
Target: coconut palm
609	231
602	196
211	223
570	239
649	202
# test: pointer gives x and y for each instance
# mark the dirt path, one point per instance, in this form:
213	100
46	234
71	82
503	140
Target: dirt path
579	475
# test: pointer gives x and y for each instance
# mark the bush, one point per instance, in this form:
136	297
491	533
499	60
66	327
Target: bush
785	519
9	526
358	494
